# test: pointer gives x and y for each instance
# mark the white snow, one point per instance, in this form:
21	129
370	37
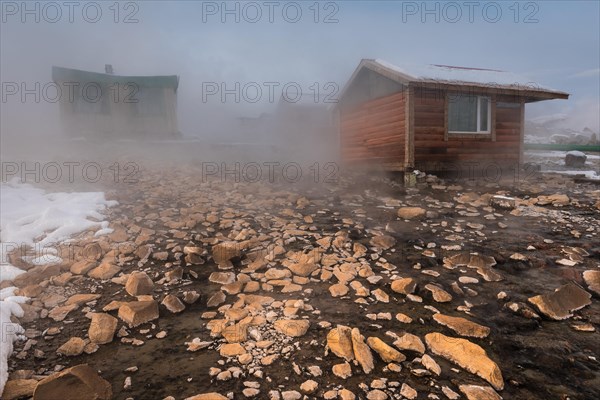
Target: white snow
576	153
587	174
30	216
479	76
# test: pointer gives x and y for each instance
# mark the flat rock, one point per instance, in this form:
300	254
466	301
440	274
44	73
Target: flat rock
139	283
439	294
231	350
173	304
80	299
102	328
592	279
561	304
80	382
411	342
411	212
73	347
404	285
222	278
338	290
60	313
362	352
467	355
104	271
292	327
342	370
475	392
383	242
385	351
207	396
138	312
83	267
226	251
18	388
462	326
216	299
339	341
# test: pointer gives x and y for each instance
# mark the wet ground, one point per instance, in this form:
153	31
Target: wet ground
539	358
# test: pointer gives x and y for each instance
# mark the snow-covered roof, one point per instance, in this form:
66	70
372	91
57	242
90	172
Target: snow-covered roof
453	75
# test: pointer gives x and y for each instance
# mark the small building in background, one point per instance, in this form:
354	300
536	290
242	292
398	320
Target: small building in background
434	117
103	105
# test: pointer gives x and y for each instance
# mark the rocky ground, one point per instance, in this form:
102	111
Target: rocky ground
358	288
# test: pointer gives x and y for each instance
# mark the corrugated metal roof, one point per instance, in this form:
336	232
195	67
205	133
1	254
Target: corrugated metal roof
60	74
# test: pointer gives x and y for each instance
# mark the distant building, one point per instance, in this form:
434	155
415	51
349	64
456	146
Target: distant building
111	106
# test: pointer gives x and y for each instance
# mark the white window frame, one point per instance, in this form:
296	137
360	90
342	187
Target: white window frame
489	119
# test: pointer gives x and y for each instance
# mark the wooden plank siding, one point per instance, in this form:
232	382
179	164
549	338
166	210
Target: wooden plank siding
435	148
374	132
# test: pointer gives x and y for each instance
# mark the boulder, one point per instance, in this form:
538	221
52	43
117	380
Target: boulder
339	341
575	159
411	342
226	251
18	388
362	352
475	392
138	312
102	328
73	347
292	327
385	351
404	285
173	304
467	355
139	283
592	279
383	242
80	382
104	271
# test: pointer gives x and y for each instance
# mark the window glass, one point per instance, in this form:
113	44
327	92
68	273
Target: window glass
462	113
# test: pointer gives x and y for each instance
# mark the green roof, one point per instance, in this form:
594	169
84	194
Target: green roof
60	74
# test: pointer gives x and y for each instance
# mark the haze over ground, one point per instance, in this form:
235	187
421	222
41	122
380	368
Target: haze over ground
555	43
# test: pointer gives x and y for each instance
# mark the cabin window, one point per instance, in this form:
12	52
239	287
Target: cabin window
469	114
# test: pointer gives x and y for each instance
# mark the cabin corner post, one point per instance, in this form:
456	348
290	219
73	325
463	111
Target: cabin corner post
409	143
521	133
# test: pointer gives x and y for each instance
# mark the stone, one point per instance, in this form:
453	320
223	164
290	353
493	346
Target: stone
138	312
462	326
411	342
562	302
216	299
377	395
408	392
411	212
207	396
309	386
190	297
292	327
338	290
404	285
381	296
342	370
386	352
383	242
222	278
235	333
60	313
439	294
430	364
104	271
18	388
554	199
339	341
73	347
345	394
475	392
291	395
226	251
139	283
173	304
231	350
80	382
362	352
467	355
79	299
575	159
83	267
592	279
250	392
102	328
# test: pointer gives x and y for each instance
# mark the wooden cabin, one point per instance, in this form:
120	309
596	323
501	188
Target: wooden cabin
104	106
434	117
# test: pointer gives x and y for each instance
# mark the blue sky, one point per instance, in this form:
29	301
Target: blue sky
555	43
